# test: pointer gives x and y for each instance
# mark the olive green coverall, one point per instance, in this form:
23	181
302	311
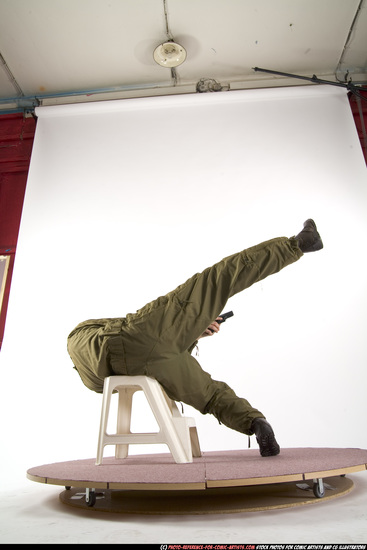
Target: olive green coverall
157	340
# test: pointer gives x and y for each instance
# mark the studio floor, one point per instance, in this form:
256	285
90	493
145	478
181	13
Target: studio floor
32	513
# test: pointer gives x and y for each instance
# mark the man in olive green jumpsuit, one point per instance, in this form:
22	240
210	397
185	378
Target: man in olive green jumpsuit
157	340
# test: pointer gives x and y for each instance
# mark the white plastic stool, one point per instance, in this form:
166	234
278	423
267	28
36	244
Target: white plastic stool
176	431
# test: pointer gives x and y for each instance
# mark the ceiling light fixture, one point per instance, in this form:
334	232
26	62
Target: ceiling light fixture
169	54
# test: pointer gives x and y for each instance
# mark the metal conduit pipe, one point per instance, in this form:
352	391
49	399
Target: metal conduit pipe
347	42
29	103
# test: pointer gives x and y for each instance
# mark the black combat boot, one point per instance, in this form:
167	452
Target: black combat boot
309	239
265	437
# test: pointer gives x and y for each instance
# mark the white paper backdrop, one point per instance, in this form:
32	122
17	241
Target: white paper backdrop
127	199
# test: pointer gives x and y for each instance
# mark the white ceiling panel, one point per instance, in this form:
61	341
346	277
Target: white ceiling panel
57	48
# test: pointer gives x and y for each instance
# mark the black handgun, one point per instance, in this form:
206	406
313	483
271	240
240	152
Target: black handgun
223	316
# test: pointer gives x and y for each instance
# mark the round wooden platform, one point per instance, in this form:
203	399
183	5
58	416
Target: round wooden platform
216	482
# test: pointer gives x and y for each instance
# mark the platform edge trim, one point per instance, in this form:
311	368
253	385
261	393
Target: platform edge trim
38	479
253	481
157	486
336	472
77	483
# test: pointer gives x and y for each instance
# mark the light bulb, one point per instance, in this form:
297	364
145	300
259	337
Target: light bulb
169	54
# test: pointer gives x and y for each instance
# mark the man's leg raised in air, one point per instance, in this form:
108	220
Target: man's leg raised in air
203	298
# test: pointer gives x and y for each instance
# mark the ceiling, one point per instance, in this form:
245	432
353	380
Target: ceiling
67	51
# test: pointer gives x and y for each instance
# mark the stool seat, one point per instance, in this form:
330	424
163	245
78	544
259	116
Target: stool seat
176	431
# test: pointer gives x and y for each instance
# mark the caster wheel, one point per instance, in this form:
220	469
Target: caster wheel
90	498
318	489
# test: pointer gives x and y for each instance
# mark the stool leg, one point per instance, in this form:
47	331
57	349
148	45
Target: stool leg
106	401
181	453
124	418
195	445
194	438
